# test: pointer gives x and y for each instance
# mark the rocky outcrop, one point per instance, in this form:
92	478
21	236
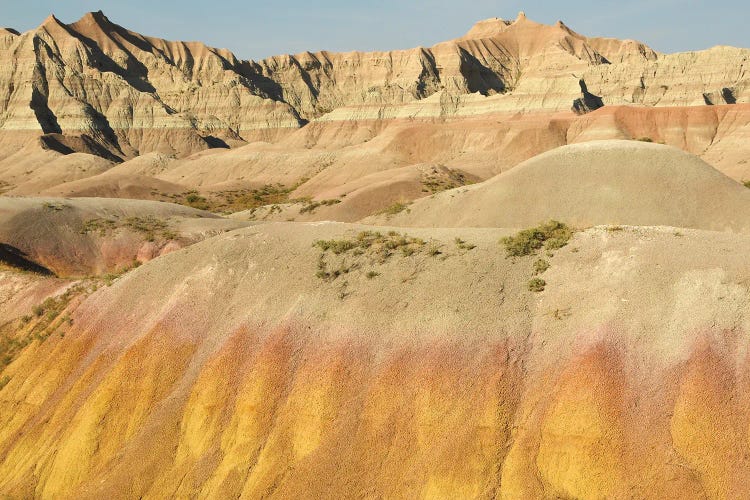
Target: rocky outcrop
587	102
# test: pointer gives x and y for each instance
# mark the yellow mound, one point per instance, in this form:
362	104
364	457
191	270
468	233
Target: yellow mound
232	369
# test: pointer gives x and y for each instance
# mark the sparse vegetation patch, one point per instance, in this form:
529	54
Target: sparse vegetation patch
463	245
551	235
150	226
44	320
54	206
365	250
311	206
101	226
193	199
238	200
437	180
394	209
50	316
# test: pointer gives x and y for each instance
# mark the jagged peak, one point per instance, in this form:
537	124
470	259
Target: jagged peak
9	31
51	21
488	28
564	27
92	23
94	17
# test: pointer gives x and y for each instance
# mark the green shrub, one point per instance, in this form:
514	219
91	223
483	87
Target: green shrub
193	199
552	235
47	317
541	266
537	285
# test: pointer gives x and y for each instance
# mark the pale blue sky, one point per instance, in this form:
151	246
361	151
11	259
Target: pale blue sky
257	29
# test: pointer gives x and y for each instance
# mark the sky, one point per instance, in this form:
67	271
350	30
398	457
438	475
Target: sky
258	29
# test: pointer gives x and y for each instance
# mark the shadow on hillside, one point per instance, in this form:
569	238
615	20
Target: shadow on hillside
14	257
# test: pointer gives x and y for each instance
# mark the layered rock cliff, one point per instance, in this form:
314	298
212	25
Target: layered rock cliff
134	94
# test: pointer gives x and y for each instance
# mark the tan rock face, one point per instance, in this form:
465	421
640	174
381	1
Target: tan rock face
130	93
134	94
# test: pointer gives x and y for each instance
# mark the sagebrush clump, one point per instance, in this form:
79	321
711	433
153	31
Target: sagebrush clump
552	235
540	266
537	285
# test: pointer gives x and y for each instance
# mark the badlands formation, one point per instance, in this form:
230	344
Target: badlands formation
512	265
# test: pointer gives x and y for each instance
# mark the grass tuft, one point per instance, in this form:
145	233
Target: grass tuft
462	245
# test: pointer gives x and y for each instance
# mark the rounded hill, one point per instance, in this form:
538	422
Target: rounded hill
601	182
